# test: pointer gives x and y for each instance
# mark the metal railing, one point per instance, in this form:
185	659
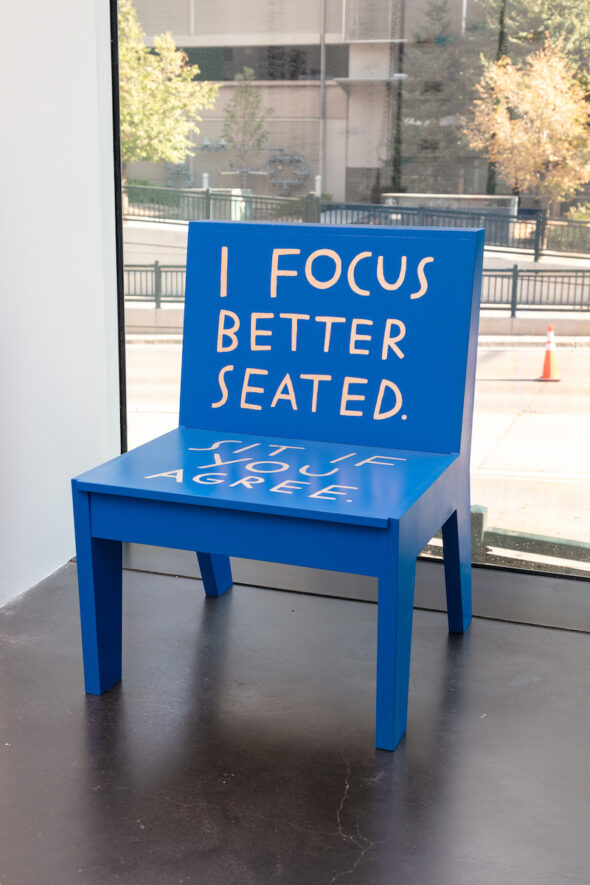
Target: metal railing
171	204
508	289
154	282
566	236
509	231
532	233
516	288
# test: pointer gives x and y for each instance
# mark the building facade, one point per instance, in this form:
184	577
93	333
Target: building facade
367	94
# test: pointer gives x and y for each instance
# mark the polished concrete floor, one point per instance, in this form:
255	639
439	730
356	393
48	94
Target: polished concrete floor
239	747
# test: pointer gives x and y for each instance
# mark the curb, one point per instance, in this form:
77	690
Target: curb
487	342
504	342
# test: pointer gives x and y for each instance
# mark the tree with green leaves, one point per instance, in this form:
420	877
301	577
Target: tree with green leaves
160	98
244	124
533	121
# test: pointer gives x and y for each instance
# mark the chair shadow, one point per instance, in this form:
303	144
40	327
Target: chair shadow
270	775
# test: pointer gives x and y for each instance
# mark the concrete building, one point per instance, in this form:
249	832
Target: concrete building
347	82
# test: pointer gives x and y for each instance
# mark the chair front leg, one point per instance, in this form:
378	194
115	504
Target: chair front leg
394	639
100	590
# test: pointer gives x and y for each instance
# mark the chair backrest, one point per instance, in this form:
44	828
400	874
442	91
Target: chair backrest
354	334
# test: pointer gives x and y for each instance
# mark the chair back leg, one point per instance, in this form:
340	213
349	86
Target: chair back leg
215	572
456	534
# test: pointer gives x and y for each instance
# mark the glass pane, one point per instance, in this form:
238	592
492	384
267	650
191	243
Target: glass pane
391	113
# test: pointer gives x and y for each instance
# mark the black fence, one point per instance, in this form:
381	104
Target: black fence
516	288
508	289
529	232
170	204
509	231
154	282
566	236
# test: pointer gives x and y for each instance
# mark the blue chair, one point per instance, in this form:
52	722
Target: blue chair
325	420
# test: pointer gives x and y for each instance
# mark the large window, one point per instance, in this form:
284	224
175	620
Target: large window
365	113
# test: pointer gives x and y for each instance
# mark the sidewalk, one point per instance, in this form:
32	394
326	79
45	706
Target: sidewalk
490	342
574	324
496	258
167	320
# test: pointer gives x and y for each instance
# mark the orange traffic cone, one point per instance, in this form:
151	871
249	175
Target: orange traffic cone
550	370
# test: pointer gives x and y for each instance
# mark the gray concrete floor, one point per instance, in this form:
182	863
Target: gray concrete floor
239	747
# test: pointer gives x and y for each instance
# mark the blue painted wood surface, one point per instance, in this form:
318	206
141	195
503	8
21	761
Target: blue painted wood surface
292	540
327	379
265	299
358	484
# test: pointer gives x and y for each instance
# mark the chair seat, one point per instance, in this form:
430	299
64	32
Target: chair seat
317	480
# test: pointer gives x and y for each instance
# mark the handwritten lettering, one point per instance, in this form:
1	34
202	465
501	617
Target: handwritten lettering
422	279
302	337
259	473
274	269
371	268
222	387
247	388
301	396
391	277
224	331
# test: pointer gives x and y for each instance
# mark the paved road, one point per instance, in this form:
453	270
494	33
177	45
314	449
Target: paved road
531	441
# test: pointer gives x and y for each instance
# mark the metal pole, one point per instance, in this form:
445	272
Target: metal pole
500	52
539	225
157	284
396	160
514	292
322	127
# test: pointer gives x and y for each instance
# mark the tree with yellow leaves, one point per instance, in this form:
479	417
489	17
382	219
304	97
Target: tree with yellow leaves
533	121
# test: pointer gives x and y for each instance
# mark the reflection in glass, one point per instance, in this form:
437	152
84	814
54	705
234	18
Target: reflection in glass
363	117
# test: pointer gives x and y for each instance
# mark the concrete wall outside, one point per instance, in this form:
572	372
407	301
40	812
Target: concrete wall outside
334	182
155	173
225	23
145	243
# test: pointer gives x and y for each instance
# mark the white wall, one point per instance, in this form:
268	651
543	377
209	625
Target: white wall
58	339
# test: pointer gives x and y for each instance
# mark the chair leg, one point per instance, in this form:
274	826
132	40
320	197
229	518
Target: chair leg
215	572
100	590
456	534
394	640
